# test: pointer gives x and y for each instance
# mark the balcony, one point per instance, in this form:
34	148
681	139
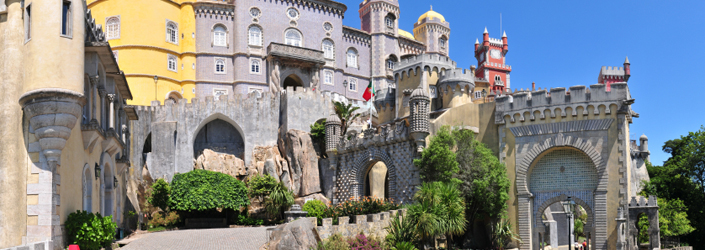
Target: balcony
284	51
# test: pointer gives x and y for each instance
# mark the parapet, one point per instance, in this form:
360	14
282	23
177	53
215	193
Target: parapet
524	104
367	224
385	98
432	61
387	134
641	202
452	79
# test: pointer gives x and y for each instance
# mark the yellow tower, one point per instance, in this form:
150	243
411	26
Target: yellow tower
154	44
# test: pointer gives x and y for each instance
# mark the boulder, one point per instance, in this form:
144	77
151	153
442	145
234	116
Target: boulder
302	200
220	162
286	175
303	162
327	177
270	169
298	234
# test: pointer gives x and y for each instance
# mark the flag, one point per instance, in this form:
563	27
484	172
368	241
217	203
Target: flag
369	92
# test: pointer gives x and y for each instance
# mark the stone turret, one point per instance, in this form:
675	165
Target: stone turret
419	118
333	133
455	86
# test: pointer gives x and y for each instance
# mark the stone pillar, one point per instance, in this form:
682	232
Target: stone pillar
552	232
419	103
52	113
621	230
333	134
102	94
524	223
111	113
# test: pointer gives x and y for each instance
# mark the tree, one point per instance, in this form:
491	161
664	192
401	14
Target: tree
439	210
346	114
275	196
682	177
672	219
318	134
484	181
160	195
437	162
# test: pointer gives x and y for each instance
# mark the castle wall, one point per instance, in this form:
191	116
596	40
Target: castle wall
300	109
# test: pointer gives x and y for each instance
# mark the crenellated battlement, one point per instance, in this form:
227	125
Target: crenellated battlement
384	135
457	75
425	58
538	104
427	62
366	223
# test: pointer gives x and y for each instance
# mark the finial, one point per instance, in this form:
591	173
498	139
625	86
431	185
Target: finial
626	60
477	41
504	35
431	7
485	30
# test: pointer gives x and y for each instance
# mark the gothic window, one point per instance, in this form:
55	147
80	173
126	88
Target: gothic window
328	27
352	58
171	60
497	79
391	61
352	84
255	66
293	37
258	91
328	77
220	36
389	20
66	18
87	189
220	66
442	42
255	36
328	49
113	27
171	32
28	22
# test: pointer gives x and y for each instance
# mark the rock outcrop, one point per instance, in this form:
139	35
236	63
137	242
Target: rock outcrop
299	234
303	162
222	163
327	177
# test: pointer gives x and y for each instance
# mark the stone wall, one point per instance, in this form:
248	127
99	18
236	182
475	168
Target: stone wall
44	245
369	224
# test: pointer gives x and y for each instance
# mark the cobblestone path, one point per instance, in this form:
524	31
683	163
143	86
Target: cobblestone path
245	238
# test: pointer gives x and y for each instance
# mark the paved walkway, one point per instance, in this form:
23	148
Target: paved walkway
245	238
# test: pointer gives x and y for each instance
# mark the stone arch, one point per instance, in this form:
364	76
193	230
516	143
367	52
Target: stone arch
107	190
366	161
292	80
87	196
562	197
173	95
227	121
522	177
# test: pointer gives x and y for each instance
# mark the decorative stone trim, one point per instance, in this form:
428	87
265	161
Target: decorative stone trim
356	36
562	127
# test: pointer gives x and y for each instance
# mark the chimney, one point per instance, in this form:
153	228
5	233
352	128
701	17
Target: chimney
486	38
505	45
627	71
533	86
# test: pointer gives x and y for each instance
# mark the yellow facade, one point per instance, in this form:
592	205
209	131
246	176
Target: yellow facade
143	49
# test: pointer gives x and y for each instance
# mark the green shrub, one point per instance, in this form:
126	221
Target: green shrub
243	219
401	230
315	208
202	190
259	186
160	194
334	242
364	205
164	219
404	245
318	133
280	199
90	231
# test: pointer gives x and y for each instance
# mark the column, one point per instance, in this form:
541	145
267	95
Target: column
111	99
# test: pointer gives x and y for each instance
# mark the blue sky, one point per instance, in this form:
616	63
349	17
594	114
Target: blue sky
564	43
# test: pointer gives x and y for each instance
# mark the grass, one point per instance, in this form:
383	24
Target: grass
156	229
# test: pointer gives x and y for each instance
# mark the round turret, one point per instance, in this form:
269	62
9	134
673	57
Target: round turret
333	132
419	104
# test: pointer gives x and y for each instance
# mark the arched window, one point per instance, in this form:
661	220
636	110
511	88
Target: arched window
328	49
352	58
293	37
442	42
497	79
255	66
87	189
171	60
352	84
255	36
219	36
389	20
113	27
328	77
220	66
171	32
391	61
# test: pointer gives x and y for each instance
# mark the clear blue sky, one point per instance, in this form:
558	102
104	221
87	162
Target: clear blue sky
564	43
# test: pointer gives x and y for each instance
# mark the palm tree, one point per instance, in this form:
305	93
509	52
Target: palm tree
440	210
346	114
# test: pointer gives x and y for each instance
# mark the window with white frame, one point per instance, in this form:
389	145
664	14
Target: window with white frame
255	66
258	91
352	58
172	32
219	66
328	49
293	37
113	27
171	60
497	79
478	94
442	42
220	36
255	36
389	20
352	84
328	77
66	18
391	61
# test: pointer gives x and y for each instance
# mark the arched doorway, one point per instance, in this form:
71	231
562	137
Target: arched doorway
554	176
107	186
293	81
87	189
219	136
377	181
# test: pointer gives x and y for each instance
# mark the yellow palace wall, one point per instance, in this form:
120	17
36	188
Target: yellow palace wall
143	50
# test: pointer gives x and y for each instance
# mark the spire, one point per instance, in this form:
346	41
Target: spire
505	34
485	31
477	41
431	7
626	60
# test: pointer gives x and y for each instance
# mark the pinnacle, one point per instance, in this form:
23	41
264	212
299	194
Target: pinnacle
477	41
485	31
504	35
626	60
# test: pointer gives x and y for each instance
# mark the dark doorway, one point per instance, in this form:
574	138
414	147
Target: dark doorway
293	81
219	136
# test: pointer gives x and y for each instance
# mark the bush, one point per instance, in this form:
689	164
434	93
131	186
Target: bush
365	205
315	208
243	219
404	245
361	242
164	219
260	186
280	199
318	133
160	195
334	242
401	230
90	231
202	190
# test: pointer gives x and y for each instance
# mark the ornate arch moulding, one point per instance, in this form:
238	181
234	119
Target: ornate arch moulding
364	161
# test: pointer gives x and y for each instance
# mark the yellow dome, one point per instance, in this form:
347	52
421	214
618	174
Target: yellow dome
432	15
406	34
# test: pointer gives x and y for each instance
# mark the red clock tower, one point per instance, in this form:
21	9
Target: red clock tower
491	63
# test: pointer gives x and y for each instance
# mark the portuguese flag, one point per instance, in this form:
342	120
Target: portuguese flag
369	92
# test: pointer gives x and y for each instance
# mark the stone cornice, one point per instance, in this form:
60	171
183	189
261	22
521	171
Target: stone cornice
214	8
357	35
562	127
379	6
324	5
